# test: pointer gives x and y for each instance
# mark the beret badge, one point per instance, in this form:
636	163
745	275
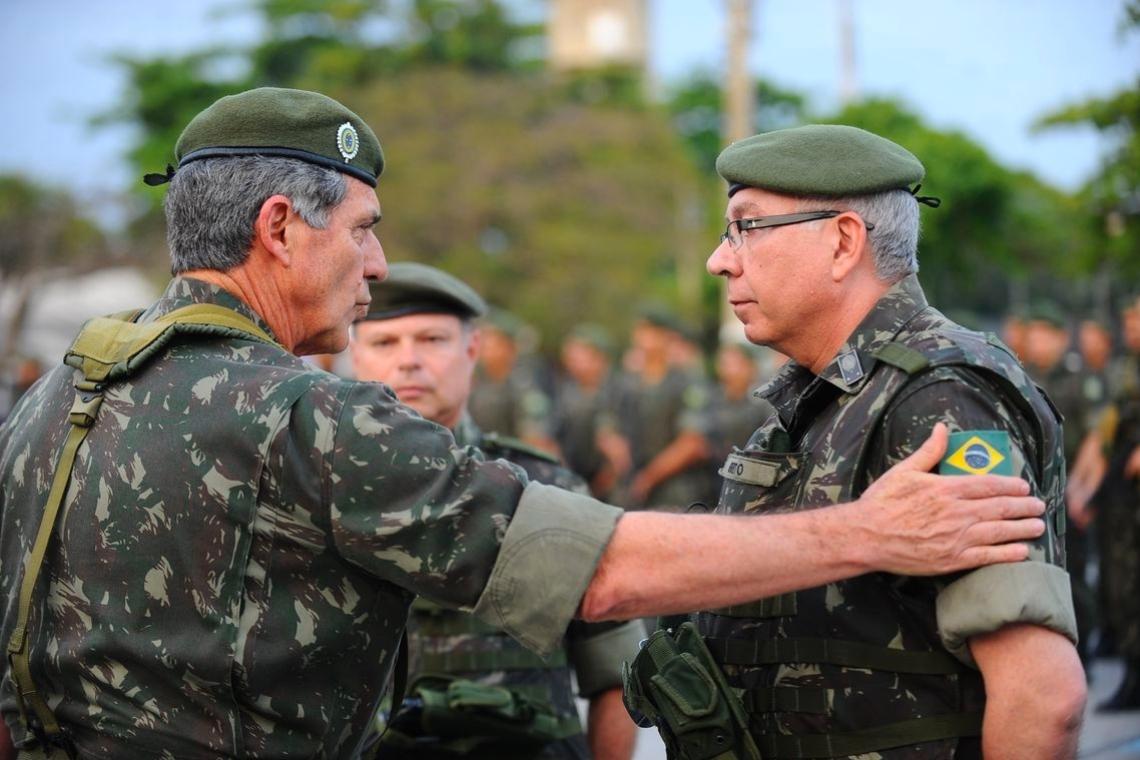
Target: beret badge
347	141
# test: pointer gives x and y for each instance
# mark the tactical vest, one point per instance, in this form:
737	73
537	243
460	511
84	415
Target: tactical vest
856	666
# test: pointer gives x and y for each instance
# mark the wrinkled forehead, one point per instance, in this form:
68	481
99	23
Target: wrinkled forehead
752	201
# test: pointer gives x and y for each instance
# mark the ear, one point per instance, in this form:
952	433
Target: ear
270	226
851	246
473	341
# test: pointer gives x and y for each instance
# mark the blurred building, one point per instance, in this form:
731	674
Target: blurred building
588	34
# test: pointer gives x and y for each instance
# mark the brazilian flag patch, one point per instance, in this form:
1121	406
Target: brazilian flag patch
977	452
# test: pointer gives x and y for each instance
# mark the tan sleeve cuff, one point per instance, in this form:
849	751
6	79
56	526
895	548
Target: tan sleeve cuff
998	595
548	558
597	659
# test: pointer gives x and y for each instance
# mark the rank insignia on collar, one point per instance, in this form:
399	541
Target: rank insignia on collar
850	368
347	141
978	452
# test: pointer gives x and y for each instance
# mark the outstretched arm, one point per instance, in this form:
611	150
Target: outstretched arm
909	522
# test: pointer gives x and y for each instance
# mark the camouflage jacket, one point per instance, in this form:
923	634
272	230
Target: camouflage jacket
819	665
450	642
239	545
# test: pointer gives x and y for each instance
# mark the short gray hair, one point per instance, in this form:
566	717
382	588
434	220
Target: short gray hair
894	241
212	203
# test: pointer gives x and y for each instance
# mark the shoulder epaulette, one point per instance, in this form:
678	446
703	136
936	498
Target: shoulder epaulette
903	357
507	443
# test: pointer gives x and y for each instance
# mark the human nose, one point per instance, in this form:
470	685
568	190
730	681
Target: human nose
375	263
723	260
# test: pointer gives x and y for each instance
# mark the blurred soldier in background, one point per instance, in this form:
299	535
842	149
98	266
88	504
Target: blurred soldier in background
508	399
734	411
1114	451
586	427
665	418
419	338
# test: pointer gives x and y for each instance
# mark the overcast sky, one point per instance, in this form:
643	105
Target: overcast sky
988	68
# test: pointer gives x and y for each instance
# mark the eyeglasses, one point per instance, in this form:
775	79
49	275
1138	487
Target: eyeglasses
733	230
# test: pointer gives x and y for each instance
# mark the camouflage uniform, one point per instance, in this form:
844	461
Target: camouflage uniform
580	415
858	655
1117	503
654	415
239	545
515	407
453	643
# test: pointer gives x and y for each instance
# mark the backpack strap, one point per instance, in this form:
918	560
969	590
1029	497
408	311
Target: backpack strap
107	349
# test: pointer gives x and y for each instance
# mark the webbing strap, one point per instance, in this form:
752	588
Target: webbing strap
830	652
788	699
107	349
783	605
83	412
903	357
900	734
507	659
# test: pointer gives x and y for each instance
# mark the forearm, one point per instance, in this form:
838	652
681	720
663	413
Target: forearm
660	564
610	732
1035	693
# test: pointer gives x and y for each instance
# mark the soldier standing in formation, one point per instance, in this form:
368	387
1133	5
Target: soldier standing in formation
419	338
208	547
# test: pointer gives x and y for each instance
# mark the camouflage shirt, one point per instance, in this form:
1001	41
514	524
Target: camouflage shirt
450	642
239	545
873	654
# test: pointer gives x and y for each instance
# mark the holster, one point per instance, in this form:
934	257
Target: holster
674	684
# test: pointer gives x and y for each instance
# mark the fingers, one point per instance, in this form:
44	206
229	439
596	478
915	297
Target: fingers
1006	531
989	555
985	486
929	454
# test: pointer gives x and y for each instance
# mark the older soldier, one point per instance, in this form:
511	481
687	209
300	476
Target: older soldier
819	259
228	539
420	339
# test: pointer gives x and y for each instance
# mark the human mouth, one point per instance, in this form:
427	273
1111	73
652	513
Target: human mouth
411	392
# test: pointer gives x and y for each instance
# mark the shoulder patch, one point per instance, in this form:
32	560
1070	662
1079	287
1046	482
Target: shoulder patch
506	443
977	452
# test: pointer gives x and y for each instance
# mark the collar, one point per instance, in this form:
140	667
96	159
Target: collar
467	433
854	361
184	291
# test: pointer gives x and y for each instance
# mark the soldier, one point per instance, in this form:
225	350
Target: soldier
665	419
506	399
208	547
1115	469
819	258
734	412
420	339
587	411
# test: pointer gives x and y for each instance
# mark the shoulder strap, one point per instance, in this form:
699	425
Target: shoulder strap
107	349
509	444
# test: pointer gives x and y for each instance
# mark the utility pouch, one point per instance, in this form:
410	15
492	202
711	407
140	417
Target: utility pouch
459	715
674	683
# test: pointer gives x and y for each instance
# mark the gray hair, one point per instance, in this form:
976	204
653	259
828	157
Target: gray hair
212	203
894	241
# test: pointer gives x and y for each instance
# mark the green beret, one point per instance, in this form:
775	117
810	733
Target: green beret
1048	312
659	315
502	321
412	288
593	335
271	121
819	159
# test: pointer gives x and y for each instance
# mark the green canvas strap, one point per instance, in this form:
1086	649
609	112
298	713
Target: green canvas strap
107	349
830	652
905	358
783	605
515	658
900	734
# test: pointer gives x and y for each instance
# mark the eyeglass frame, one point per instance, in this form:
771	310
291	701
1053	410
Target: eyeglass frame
777	220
